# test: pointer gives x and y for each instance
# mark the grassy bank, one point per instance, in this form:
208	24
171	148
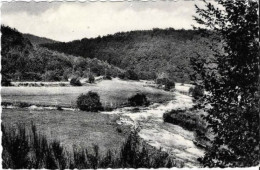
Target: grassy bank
192	120
26	148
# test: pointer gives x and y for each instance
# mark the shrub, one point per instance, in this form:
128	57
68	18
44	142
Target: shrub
49	76
91	79
121	75
168	84
196	92
89	102
5	81
23	105
59	108
191	120
75	82
138	100
131	75
108	76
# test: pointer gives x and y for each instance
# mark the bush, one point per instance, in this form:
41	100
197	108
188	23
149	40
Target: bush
121	75
75	82
5	81
196	92
131	75
168	84
48	76
91	79
89	102
108	76
23	105
138	100
191	120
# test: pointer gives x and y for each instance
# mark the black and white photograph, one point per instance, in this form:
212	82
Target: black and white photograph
130	84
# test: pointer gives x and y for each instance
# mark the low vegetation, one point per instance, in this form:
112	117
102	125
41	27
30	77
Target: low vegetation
191	120
197	92
25	148
91	79
89	102
166	83
139	99
75	81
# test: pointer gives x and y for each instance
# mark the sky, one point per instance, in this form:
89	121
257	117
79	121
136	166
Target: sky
67	21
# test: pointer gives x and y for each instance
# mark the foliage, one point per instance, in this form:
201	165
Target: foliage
108	76
231	80
22	61
121	75
191	120
5	81
167	83
25	149
139	99
147	52
91	79
89	102
131	75
197	92
75	81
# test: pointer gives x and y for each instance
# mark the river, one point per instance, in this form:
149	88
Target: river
173	139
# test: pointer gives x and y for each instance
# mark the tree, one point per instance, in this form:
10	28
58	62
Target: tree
91	79
89	102
75	81
231	80
131	75
138	100
197	92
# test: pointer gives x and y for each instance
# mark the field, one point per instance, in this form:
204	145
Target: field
113	93
76	127
71	127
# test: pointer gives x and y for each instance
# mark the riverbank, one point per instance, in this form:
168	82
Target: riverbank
173	139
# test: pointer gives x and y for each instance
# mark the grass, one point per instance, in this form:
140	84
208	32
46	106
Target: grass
113	93
26	148
71	127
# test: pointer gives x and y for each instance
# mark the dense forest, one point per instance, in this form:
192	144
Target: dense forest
22	60
149	53
35	40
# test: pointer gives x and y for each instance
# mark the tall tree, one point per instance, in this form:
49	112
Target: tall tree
231	80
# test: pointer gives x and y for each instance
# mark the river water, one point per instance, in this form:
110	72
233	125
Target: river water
173	139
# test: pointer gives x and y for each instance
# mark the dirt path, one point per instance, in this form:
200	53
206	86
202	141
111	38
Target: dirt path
171	138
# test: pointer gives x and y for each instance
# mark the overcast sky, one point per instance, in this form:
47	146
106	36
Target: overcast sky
66	21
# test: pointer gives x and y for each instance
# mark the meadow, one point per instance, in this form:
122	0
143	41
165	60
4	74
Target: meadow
77	127
82	129
113	93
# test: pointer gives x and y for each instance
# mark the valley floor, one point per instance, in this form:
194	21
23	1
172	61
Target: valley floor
173	139
108	129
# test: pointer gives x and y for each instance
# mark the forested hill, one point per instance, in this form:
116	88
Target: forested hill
150	53
21	61
36	40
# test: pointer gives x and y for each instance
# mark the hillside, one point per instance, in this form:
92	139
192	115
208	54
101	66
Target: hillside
150	53
36	40
23	61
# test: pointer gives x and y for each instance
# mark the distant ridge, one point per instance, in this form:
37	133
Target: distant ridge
23	60
148	52
36	40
